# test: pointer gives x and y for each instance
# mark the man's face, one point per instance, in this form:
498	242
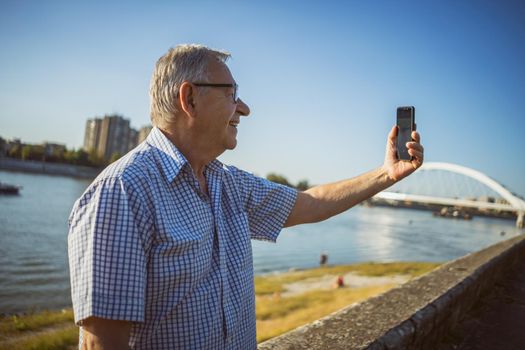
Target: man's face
218	114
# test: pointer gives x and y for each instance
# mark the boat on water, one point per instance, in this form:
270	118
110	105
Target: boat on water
453	213
9	189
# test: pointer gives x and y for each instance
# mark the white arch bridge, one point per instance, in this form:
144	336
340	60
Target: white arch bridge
452	185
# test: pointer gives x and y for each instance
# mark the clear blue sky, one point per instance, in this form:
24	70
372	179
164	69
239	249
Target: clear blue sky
323	78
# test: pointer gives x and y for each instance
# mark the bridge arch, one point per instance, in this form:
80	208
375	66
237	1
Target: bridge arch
514	201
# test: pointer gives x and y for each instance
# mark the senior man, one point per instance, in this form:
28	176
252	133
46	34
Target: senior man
159	244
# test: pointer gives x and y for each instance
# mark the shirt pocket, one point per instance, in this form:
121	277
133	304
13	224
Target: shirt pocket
183	256
180	232
179	240
238	240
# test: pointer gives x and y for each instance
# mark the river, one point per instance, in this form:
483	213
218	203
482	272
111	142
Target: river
33	240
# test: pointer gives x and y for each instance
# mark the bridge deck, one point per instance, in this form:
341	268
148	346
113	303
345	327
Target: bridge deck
497	320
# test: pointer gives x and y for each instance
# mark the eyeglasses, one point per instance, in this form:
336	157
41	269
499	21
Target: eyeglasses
234	86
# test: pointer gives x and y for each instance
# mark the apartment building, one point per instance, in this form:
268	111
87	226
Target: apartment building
110	135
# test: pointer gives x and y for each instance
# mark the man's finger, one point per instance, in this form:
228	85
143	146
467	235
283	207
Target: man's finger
415	136
416	154
414	145
393	133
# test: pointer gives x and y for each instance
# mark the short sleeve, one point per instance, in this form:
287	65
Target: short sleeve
107	245
267	204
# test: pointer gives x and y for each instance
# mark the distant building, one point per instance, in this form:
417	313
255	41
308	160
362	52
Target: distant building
143	133
92	134
54	149
13	148
3	148
110	135
133	138
114	136
487	199
502	201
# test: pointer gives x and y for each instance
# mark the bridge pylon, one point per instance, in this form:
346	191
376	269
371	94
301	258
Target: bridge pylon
520	222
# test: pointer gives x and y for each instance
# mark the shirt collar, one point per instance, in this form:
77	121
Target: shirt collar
171	160
215	165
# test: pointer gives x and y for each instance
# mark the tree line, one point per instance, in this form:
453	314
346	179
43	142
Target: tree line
92	159
302	185
59	155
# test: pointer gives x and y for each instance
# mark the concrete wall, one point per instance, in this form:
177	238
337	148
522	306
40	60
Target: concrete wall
413	316
48	168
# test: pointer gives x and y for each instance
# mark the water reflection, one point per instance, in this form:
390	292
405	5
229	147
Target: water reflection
33	241
380	234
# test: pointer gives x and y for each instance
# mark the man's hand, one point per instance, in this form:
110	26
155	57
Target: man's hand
101	334
321	202
398	169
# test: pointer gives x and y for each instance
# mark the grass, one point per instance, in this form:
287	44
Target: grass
55	330
59	339
16	324
46	330
277	316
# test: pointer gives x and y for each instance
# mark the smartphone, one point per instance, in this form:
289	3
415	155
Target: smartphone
406	123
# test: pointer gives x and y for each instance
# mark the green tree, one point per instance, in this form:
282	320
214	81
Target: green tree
115	156
15	152
2	147
82	157
57	156
38	152
32	152
69	156
303	185
25	154
95	159
278	179
76	157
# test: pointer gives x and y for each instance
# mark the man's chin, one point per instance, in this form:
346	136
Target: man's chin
231	143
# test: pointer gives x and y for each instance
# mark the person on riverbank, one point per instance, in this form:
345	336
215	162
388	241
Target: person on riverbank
323	259
159	244
339	282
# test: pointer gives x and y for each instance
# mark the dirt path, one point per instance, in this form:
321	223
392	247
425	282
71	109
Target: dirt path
351	280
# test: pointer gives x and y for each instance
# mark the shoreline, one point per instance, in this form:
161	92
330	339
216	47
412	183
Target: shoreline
359	269
362	271
38	167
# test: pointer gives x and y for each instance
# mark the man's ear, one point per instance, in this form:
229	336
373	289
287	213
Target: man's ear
187	98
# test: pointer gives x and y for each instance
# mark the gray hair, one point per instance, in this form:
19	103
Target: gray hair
188	62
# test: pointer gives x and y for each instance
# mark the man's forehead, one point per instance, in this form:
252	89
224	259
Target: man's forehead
219	71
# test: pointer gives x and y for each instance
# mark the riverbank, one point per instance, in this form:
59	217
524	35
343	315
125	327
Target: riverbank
29	166
284	301
288	300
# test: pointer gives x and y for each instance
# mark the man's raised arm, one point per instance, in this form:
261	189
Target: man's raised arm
324	201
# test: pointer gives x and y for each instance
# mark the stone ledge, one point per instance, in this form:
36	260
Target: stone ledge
412	316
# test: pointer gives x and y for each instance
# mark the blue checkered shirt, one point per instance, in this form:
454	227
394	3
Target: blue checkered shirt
147	246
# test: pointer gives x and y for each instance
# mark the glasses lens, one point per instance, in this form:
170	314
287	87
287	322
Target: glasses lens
235	93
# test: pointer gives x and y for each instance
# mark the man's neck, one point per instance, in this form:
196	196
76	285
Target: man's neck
194	150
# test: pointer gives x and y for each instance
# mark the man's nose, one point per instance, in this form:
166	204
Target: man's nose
242	108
